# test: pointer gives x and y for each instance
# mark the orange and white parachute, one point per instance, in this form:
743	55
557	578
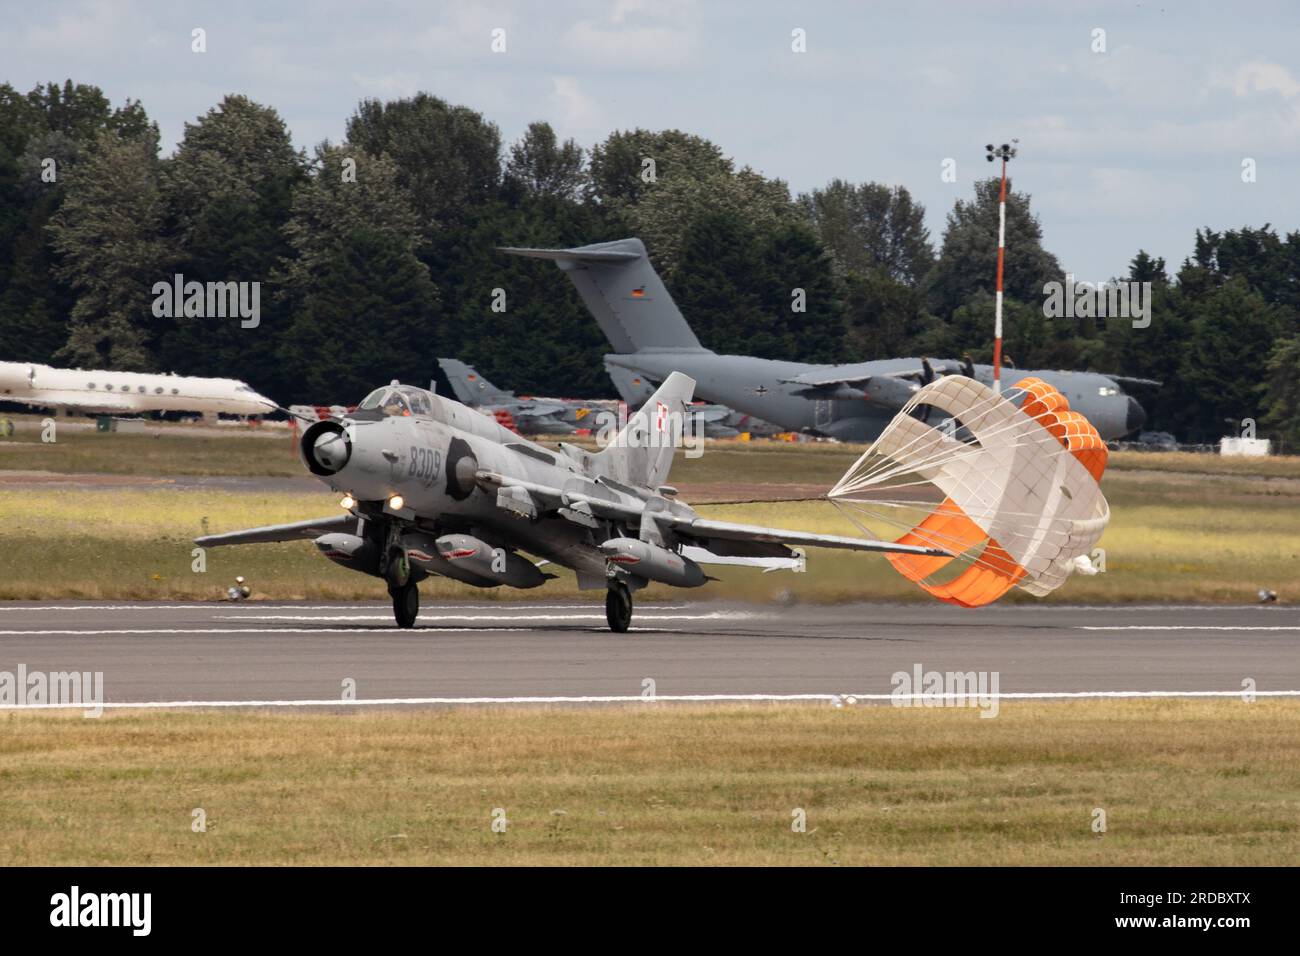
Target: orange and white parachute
1007	484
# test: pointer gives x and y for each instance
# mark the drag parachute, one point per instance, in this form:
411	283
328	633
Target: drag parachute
1006	483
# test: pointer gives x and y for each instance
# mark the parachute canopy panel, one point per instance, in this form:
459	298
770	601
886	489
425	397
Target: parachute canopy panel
1006	483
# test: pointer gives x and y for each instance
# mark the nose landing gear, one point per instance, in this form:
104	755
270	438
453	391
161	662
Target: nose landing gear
618	607
403	590
406	603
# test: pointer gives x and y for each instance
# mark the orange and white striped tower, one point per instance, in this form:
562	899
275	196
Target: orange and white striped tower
1003	152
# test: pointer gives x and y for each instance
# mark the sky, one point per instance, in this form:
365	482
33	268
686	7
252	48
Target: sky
1130	147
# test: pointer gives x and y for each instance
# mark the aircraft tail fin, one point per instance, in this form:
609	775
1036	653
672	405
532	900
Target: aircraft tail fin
641	453
623	292
633	387
470	387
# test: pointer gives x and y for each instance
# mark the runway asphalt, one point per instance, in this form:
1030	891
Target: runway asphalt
301	653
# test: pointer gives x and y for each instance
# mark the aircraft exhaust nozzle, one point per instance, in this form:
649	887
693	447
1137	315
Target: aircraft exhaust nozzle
325	448
654	563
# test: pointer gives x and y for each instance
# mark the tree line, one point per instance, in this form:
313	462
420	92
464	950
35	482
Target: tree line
378	254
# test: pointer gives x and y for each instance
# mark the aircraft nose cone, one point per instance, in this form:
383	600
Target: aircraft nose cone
331	450
1136	416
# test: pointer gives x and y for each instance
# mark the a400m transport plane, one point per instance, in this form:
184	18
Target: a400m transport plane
433	487
852	402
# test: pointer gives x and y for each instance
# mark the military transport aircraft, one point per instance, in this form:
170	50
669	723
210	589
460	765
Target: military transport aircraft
432	487
852	402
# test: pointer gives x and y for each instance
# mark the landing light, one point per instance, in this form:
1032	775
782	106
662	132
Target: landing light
348	503
397	502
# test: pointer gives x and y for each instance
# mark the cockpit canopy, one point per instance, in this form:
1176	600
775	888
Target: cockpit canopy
399	401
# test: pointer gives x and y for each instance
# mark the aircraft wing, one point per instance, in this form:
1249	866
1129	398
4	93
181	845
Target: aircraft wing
311	528
825	378
573	255
1132	380
726	530
540	410
768	541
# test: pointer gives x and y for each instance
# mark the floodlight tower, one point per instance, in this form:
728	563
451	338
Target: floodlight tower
1003	152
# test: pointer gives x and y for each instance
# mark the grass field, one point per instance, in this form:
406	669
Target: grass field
1173	537
172	449
1181	783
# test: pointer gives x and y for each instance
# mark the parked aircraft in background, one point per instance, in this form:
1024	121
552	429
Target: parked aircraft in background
530	416
719	420
854	402
125	393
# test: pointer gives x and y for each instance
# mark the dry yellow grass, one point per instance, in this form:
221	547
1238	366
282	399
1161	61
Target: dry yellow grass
1181	782
1172	537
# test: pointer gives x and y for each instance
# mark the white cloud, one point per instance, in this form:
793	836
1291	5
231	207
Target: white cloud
637	35
579	115
1261	76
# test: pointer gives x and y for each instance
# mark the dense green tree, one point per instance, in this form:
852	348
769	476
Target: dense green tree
800	293
110	236
448	157
629	162
363	308
871	228
1231	337
540	165
883	318
666	209
228	191
1281	394
968	258
544	342
44	135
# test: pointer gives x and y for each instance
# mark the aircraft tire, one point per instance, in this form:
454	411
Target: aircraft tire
406	604
618	607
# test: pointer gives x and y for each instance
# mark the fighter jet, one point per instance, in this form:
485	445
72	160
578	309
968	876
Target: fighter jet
74	389
852	402
432	487
719	420
531	416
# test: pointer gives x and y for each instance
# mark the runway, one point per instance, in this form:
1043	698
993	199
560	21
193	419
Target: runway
301	653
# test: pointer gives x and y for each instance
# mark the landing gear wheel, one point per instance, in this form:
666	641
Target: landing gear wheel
618	607
406	604
397	571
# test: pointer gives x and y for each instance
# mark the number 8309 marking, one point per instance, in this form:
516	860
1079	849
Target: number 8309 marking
425	463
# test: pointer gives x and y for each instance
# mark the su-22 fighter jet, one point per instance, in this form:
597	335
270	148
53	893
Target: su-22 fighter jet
433	487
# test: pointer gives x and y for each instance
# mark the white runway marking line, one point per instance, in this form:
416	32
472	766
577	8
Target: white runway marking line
435	617
233	606
1187	627
255	606
660	698
227	631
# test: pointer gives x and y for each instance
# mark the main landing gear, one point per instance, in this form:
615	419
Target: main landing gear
618	607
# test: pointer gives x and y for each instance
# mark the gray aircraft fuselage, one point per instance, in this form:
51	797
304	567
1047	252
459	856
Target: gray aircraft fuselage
851	402
760	387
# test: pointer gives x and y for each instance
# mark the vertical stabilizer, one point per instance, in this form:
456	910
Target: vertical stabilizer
623	292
